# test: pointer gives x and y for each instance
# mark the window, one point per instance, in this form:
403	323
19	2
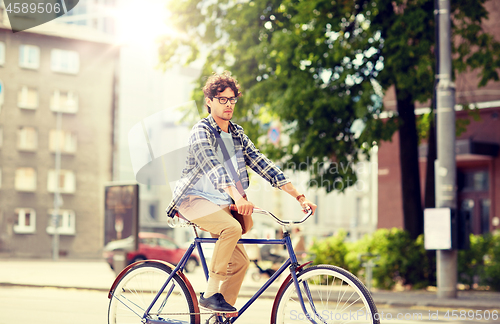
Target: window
148	241
66	222
29	56
65	182
64	101
25	223
473	180
27	138
64	140
25	179
65	61
485	207
2	53
27	98
166	243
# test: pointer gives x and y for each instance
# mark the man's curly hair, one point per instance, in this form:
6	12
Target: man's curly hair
217	83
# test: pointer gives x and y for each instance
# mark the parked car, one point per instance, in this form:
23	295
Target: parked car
151	246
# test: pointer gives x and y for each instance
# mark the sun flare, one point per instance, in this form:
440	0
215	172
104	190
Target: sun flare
142	22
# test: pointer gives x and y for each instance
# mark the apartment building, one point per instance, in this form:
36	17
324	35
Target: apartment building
43	73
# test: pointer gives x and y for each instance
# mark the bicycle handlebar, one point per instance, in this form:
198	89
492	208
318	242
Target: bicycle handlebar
279	221
177	222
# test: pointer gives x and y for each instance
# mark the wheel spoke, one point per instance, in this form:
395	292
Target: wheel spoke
343	309
139	287
346	301
125	304
321	286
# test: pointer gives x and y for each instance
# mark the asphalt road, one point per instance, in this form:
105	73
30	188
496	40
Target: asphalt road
22	305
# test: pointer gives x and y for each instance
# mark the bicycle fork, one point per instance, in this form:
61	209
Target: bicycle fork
306	289
307	292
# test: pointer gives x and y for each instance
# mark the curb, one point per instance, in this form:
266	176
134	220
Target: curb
247	294
381	302
10	284
448	304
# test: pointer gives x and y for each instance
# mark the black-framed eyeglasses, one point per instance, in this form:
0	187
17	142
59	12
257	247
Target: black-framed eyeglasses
223	100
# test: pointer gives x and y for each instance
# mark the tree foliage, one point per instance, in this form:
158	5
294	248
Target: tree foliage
321	66
312	65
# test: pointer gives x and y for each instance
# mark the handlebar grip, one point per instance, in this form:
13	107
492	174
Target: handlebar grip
279	221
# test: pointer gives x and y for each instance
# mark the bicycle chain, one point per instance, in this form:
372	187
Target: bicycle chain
159	314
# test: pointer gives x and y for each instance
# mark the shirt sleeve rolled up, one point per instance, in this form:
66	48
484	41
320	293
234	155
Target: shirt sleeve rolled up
262	165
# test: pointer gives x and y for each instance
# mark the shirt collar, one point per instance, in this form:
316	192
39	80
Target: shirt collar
214	124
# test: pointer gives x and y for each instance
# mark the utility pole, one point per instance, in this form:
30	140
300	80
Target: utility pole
446	165
57	193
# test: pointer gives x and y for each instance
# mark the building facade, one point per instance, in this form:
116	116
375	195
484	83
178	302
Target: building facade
478	162
478	172
44	73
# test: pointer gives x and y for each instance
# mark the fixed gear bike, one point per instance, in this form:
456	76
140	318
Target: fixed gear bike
156	292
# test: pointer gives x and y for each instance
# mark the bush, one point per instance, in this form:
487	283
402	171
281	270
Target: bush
471	262
331	250
361	246
492	263
401	259
480	264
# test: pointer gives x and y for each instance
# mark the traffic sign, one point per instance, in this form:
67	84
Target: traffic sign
274	135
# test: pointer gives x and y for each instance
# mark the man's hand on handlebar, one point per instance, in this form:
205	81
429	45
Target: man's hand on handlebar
245	207
306	204
308	212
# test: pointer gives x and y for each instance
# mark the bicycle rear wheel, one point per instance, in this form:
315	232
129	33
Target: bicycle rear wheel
137	289
331	295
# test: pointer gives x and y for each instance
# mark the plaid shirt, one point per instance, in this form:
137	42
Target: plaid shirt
202	159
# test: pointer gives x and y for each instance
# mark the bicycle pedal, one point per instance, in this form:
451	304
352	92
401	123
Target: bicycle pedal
213	320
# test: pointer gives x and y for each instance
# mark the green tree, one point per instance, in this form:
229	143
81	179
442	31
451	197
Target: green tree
298	62
321	66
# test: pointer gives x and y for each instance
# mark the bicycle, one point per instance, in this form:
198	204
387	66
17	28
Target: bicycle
156	292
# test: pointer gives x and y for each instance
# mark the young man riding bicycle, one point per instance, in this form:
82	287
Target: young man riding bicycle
207	188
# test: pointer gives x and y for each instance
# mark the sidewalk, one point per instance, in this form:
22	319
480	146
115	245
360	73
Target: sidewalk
97	275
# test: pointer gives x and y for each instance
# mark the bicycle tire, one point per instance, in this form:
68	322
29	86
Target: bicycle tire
337	295
136	290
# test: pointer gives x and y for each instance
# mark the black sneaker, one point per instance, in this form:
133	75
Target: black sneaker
217	303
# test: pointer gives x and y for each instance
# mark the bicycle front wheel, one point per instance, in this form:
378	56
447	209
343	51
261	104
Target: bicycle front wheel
331	295
137	289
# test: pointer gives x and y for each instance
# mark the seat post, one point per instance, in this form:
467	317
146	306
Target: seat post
195	231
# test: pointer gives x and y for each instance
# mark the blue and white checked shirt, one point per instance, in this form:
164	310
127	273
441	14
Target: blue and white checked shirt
202	159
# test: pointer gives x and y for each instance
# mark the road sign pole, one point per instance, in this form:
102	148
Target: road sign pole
446	171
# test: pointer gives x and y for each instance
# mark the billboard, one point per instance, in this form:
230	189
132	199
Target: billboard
121	212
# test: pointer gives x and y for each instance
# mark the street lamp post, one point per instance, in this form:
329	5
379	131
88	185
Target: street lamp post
446	166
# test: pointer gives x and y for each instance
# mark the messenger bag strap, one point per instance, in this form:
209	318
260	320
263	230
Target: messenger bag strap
227	160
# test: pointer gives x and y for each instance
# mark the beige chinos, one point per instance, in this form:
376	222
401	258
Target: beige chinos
229	260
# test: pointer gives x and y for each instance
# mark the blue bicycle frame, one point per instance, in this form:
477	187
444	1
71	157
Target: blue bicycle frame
290	262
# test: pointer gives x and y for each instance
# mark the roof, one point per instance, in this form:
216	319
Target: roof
68	31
